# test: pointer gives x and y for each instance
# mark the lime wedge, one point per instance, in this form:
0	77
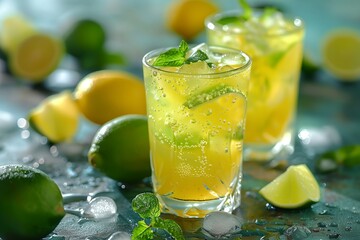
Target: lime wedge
295	188
56	117
208	95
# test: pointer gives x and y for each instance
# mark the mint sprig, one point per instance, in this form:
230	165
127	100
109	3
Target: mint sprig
348	156
176	57
247	9
148	207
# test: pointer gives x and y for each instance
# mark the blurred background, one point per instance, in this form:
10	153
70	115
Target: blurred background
134	27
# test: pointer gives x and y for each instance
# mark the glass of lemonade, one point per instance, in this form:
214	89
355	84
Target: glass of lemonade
196	117
275	45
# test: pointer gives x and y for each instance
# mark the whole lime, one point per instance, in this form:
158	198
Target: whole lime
31	204
120	149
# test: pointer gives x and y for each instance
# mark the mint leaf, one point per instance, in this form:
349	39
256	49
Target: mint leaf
171	227
348	156
176	57
146	205
173	57
247	9
268	12
183	48
142	232
197	56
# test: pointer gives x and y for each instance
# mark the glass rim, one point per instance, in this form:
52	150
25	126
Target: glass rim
211	23
156	52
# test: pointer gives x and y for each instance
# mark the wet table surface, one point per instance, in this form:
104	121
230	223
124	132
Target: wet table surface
328	117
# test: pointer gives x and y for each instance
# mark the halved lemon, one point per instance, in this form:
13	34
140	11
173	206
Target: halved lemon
56	117
32	55
295	188
341	54
36	57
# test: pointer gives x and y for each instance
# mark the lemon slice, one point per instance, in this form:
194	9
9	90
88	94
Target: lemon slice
341	54
295	188
56	117
36	57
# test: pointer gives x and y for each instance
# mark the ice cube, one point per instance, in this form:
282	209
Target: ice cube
100	207
120	236
297	232
200	67
221	224
7	122
202	46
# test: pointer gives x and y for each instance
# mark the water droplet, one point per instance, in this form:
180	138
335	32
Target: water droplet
269	206
321	224
22	123
334	235
260	222
192	121
164	95
154	73
25	134
333	224
348	228
226	150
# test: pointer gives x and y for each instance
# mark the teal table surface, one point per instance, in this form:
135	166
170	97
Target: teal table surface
328	117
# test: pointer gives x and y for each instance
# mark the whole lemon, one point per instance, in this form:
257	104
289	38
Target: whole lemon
186	17
120	149
31	204
107	94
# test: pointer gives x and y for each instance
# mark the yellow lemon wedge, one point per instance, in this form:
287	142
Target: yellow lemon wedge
186	17
56	117
106	94
341	54
295	188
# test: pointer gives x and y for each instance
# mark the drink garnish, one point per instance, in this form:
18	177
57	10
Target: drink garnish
148	207
208	95
175	57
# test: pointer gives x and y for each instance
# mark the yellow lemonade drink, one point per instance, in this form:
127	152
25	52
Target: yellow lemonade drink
196	116
274	44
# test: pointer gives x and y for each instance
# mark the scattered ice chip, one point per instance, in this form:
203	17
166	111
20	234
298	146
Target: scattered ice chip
100	207
221	224
7	122
120	236
297	232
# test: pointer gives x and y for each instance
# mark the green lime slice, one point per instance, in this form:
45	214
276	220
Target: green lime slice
208	95
296	187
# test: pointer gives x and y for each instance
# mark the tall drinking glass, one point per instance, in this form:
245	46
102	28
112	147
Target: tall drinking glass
275	45
196	117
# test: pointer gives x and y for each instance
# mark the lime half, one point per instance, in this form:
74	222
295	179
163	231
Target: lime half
295	188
